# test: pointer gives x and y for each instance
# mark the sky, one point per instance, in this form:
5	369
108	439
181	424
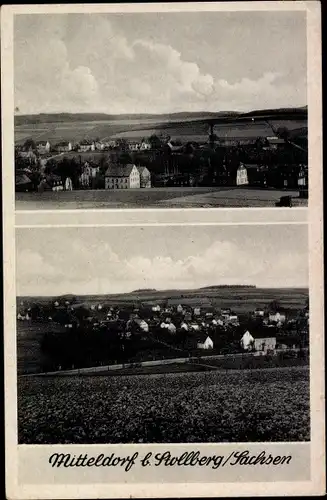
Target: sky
159	62
104	260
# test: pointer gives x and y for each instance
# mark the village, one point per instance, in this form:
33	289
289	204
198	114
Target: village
153	330
160	161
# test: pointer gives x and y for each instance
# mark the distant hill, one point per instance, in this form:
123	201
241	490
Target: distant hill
218	287
182	116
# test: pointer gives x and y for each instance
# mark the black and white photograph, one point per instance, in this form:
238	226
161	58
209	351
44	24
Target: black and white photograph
161	110
202	336
163	250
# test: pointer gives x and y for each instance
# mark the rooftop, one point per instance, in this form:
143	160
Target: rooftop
119	170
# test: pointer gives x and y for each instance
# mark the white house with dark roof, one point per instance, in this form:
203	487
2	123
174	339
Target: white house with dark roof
63	146
43	147
122	177
86	145
205	342
242	176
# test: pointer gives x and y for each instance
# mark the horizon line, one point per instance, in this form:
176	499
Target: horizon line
251	110
298	287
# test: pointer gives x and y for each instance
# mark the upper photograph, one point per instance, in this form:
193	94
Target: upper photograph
160	110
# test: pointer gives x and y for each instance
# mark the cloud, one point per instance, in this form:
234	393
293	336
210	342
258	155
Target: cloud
93	66
45	80
96	268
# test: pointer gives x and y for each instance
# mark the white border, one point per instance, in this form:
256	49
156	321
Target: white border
317	484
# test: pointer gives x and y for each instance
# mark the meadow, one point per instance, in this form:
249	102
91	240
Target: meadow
158	197
189	129
244	406
241	299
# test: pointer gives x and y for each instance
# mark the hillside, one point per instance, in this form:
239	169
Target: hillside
183	116
241	298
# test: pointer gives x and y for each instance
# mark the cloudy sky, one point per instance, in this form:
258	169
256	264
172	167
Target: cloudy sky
159	62
114	259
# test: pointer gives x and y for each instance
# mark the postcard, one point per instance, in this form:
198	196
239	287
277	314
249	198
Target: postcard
163	250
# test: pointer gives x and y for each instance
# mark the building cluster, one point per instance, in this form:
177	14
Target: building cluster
171	163
199	327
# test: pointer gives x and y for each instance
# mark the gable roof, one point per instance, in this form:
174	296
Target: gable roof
22	179
143	170
275	140
86	142
119	170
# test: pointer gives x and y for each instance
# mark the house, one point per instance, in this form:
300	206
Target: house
180	308
204	342
143	325
122	177
104	144
68	184
233	319
28	155
277	317
265	344
258	313
55	182
86	145
63	147
145	177
184	326
302	182
275	142
168	326
242	176
247	341
156	308
89	172
197	311
43	147
23	183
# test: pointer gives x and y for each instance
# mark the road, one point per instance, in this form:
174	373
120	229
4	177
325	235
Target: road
185	197
170	361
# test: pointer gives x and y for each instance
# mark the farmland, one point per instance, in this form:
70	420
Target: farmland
246	406
185	197
243	298
136	129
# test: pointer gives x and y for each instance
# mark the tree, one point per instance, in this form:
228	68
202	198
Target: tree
283	133
29	144
122	144
274	306
155	141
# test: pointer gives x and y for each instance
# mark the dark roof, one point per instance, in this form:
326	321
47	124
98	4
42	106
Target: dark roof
274	140
86	142
42	143
22	179
142	169
119	170
201	337
63	143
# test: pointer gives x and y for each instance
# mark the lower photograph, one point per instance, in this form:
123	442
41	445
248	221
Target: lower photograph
163	334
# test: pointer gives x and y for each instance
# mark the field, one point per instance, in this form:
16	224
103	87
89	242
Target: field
241	299
246	406
186	197
191	127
